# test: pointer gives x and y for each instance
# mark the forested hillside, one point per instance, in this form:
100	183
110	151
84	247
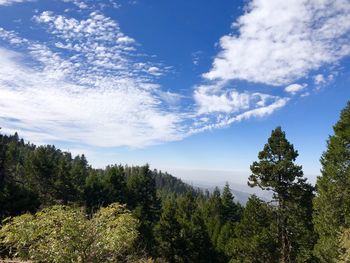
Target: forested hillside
55	207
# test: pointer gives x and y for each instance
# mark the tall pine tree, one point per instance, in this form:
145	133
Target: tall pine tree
277	171
332	204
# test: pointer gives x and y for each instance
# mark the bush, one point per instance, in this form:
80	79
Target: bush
63	234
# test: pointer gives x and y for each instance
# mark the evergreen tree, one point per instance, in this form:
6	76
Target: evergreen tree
196	245
94	192
277	171
115	184
332	203
213	215
78	173
44	174
15	196
144	202
256	235
167	231
231	210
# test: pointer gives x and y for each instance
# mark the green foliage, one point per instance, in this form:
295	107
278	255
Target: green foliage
168	184
167	232
212	212
168	219
113	231
256	235
196	246
143	200
63	234
15	196
277	171
181	233
94	194
231	210
344	241
332	203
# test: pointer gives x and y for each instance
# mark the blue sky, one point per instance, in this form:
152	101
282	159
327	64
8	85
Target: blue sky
186	86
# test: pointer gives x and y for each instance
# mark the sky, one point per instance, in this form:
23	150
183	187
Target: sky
191	87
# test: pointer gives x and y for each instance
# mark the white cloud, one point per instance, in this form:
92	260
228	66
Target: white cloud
294	88
89	85
116	113
319	79
230	101
153	70
279	42
125	40
92	92
11	2
256	112
79	3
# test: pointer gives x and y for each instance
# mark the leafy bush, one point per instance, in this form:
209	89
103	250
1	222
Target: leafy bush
63	234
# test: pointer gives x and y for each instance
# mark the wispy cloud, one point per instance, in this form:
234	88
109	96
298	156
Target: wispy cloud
11	2
279	42
295	88
89	83
84	86
213	98
116	113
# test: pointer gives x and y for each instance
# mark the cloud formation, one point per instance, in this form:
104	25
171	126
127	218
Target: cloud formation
83	86
11	2
279	42
88	83
294	88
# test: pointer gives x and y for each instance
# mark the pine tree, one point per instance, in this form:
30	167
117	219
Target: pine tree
15	196
196	245
277	171
213	215
256	240
332	204
115	182
167	232
231	210
78	173
144	202
94	192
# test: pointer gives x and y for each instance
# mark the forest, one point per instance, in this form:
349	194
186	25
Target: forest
55	207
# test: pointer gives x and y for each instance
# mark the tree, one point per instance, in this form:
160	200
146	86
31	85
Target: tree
256	238
332	203
167	232
277	171
94	192
115	184
79	172
196	245
231	210
212	215
15	195
144	202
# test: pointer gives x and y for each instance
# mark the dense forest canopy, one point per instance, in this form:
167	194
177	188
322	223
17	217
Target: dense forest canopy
55	207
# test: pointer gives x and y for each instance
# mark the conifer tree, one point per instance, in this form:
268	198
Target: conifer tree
277	171
196	246
167	232
332	203
256	235
231	210
213	215
144	202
